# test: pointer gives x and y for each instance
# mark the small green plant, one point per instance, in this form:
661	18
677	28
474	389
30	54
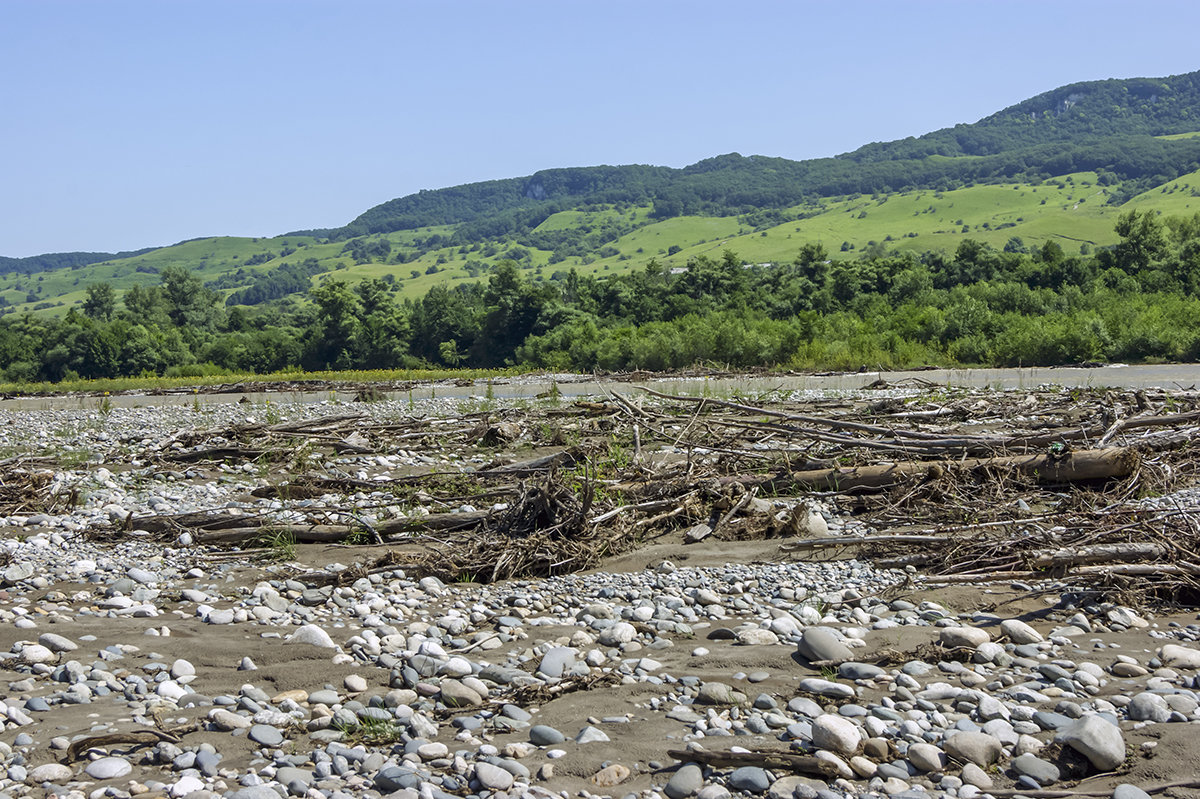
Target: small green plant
281	543
105	406
358	538
371	732
271	413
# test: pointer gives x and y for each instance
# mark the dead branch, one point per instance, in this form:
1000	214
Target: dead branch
804	764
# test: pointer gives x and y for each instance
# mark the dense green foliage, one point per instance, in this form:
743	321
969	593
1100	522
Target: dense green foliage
943	249
1079	113
1137	301
59	260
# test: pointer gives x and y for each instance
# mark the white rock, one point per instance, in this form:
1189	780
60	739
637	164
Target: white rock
757	637
313	635
57	643
1096	739
836	733
620	633
1180	657
1019	632
492	777
36	653
48	772
926	757
968	637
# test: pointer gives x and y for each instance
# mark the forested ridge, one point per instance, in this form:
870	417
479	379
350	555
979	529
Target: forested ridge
379	292
1139	300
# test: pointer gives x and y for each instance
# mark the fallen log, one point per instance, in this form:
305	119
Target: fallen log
1102	553
854	540
566	458
213	454
805	764
1072	467
325	533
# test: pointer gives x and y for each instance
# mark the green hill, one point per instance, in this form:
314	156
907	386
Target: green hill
1058	166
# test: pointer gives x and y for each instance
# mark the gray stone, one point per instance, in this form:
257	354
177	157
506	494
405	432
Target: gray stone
557	660
591	735
926	757
1019	632
1149	707
1096	739
108	768
1041	771
974	775
620	633
255	792
974	747
542	735
48	772
859	671
265	735
718	693
815	685
1127	791
492	777
964	637
1180	657
750	779
821	643
457	694
57	643
685	782
312	635
228	720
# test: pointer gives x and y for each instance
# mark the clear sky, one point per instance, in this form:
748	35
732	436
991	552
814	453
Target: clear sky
134	123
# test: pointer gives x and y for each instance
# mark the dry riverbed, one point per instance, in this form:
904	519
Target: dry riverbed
906	590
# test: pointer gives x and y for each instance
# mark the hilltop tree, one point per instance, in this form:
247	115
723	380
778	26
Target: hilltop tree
190	305
100	302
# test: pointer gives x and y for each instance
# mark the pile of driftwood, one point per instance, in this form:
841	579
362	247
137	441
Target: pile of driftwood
983	485
27	486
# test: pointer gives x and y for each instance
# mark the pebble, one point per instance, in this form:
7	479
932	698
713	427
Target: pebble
610	776
266	735
750	779
542	735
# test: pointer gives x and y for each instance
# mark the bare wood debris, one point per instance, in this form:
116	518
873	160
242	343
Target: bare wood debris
960	485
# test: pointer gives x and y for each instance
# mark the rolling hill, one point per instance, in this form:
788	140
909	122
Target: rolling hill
1060	166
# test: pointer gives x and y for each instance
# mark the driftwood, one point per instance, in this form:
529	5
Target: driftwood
805	764
1072	467
566	458
142	737
1103	553
324	533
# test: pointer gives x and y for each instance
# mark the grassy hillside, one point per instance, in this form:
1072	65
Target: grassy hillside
1062	165
1071	209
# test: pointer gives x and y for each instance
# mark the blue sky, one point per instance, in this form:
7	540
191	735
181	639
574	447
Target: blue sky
133	124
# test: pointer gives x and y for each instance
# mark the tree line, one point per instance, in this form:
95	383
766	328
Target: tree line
1136	301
